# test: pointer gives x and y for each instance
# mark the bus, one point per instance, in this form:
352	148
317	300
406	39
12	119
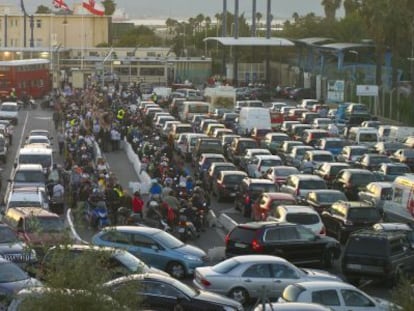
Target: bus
30	76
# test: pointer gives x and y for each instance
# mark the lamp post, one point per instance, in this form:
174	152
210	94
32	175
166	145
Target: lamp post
103	65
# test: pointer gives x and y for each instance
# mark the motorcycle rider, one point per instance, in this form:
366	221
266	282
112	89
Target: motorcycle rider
137	204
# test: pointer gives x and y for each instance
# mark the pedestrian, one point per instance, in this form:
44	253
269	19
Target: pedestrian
61	141
56	119
137	204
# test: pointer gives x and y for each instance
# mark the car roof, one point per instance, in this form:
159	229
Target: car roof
29	150
279	195
325	284
298	209
29	167
295	306
258	258
306	177
325	191
261	224
354	204
392	226
382	184
267	156
260	180
233	172
146	230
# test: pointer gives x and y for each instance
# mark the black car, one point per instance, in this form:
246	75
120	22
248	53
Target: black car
226	185
323	198
371	161
344	217
167	294
214	170
351	180
293	242
301	93
385	255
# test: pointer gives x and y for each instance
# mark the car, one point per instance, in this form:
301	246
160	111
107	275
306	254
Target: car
332	144
387	147
338	296
214	169
206	145
166	293
115	262
329	170
350	154
27	175
27	197
308	117
390	171
302	93
286	148
259	164
10	111
205	161
273	238
405	156
291	306
14	249
321	123
279	174
313	158
300	184
186	145
39	141
226	185
237	148
323	198
249	190
249	154
371	161
155	247
381	255
311	137
229	276
345	217
408	229
351	180
296	155
297	130
267	202
287	126
273	141
298	214
377	193
308	102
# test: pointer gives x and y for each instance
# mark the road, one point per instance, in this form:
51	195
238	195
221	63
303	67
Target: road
212	240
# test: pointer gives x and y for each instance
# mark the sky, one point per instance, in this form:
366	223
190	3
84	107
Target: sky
176	9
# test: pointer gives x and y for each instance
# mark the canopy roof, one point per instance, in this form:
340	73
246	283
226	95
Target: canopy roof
251	41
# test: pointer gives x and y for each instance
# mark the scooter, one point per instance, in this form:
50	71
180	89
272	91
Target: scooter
97	215
186	229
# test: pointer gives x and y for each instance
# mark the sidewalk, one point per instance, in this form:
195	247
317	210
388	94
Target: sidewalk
123	169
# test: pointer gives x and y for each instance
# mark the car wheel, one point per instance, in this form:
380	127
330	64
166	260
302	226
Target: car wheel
176	270
328	258
239	294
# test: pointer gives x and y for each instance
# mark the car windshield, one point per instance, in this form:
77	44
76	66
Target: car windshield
335	169
334	144
302	218
24	203
131	262
167	240
271	162
312	184
377	160
263	188
7	235
362	179
39	140
29	176
45	225
278	138
233	179
398	170
43	159
366	246
9	273
9	108
358	151
225	266
363	214
326	198
368	137
408	153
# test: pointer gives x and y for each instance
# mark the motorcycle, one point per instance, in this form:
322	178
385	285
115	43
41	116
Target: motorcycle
97	214
185	228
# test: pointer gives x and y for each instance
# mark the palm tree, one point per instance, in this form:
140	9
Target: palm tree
207	22
199	20
330	7
351	6
258	17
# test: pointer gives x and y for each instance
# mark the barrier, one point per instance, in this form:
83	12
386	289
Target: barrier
73	231
226	222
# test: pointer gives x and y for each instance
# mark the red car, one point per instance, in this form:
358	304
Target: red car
268	201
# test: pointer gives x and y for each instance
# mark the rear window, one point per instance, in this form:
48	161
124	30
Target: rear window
318	135
225	266
263	188
233	179
362	179
322	158
364	213
366	246
369	137
334	144
302	218
273	162
243	235
312	184
398	170
358	151
286	171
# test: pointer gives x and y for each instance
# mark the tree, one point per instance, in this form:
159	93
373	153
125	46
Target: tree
258	17
42	9
110	7
351	6
330	7
140	35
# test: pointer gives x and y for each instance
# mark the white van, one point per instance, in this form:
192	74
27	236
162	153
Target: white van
190	108
248	103
253	117
398	133
367	136
42	156
401	207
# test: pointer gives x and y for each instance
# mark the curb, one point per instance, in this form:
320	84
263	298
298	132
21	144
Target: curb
226	222
76	237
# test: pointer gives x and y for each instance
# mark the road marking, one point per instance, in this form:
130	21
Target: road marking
43	118
24	129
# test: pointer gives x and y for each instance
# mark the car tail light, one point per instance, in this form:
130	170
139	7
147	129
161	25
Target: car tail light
227	238
323	231
205	282
256	246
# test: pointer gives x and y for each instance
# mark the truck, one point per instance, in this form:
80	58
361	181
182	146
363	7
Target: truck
401	206
220	97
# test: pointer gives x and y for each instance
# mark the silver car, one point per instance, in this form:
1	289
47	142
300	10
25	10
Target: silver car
245	277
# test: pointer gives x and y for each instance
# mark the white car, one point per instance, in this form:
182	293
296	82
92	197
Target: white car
321	123
336	295
299	214
9	111
260	164
38	141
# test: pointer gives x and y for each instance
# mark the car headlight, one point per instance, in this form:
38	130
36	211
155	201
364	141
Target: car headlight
193	258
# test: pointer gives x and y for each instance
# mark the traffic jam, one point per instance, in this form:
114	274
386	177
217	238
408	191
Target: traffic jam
317	198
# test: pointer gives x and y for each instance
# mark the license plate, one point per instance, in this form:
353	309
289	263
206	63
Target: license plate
240	245
181	230
354	266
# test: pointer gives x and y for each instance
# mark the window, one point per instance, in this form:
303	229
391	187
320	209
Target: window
353	298
142	241
160	289
272	235
326	297
257	271
283	271
288	233
116	237
39	23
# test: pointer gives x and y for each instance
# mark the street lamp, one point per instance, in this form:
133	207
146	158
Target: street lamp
103	65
